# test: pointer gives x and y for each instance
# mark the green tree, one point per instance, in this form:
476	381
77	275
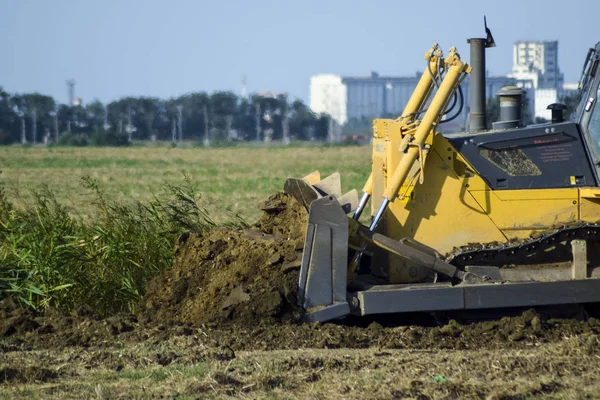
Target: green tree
9	119
223	105
40	106
95	114
302	121
192	113
154	117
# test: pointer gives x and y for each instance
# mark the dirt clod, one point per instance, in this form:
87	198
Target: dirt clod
283	216
237	296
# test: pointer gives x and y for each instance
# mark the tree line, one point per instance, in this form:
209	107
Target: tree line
219	116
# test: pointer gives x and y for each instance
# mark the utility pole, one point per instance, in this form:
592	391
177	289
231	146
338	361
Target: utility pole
228	123
129	127
105	125
56	122
23	137
34	125
179	119
257	117
206	132
71	91
244	93
174	131
285	128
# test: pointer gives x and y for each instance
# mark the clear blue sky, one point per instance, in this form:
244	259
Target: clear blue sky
115	48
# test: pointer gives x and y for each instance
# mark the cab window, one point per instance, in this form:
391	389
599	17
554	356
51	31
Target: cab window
594	125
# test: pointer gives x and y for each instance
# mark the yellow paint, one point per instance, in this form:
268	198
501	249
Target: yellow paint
519	213
454	206
457	68
589	204
439	199
417	101
313	178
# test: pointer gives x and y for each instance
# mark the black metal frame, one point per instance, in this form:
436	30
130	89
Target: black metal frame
537	142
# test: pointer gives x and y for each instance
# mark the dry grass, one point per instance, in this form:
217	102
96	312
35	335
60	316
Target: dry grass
182	366
172	369
236	178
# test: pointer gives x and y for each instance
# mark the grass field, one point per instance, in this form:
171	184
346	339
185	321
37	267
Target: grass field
111	216
87	265
234	178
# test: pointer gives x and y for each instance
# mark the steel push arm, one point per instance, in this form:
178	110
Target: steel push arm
412	110
456	70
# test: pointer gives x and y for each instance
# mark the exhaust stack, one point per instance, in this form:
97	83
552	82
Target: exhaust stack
477	118
511	107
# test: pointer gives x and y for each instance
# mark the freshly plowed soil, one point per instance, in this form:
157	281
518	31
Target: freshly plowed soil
225	322
56	329
245	276
79	356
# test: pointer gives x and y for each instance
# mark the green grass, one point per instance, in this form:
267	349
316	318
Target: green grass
90	226
235	178
50	258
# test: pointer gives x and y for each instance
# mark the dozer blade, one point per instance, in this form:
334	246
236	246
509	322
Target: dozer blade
312	187
322	284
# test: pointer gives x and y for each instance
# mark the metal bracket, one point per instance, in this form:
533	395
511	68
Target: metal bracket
579	266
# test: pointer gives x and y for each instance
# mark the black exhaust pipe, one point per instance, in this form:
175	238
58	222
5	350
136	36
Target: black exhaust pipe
477	117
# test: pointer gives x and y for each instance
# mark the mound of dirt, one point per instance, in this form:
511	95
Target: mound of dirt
244	276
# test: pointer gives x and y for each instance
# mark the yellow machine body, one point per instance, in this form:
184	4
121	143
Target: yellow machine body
453	206
485	219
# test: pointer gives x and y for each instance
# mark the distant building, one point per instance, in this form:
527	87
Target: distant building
269	94
570	89
544	97
378	96
352	98
535	69
537	62
328	95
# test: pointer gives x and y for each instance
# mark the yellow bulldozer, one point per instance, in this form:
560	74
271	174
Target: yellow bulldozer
484	219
